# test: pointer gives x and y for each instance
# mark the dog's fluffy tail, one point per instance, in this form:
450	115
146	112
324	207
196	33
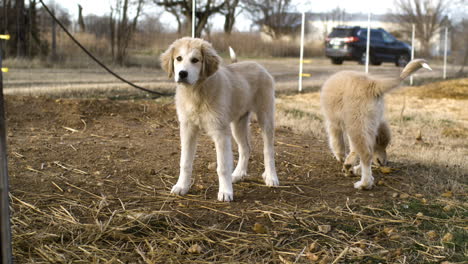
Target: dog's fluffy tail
233	55
383	86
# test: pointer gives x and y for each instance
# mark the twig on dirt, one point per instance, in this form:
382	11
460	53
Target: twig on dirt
341	255
289	145
70	129
83	190
60	189
219	211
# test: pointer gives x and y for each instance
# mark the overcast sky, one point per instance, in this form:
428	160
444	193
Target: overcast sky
101	7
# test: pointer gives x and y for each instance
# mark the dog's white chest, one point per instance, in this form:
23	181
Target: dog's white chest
197	112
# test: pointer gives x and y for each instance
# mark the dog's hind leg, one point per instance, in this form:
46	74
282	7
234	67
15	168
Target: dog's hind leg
224	160
350	160
188	141
267	123
335	139
363	146
240	131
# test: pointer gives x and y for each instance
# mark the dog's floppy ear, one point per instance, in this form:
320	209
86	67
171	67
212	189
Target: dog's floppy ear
211	60
167	63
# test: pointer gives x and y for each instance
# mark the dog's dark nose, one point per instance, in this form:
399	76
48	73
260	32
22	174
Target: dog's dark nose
183	74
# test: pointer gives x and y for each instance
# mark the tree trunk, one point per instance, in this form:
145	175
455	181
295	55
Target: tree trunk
230	15
80	19
465	61
21	44
112	33
229	25
121	30
35	43
53	55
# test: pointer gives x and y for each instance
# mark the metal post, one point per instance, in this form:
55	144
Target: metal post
412	51
368	40
301	57
193	18
5	239
445	53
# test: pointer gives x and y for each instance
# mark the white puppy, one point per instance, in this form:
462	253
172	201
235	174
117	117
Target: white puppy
353	107
219	99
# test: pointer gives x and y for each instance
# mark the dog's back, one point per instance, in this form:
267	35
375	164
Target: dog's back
347	94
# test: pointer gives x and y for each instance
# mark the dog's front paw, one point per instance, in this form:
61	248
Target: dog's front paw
238	175
180	189
225	196
364	185
270	179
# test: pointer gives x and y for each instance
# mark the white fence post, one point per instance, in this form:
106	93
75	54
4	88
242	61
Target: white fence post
193	18
412	52
445	53
368	41
301	57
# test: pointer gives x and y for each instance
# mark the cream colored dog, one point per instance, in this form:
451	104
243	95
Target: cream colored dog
219	100
353	106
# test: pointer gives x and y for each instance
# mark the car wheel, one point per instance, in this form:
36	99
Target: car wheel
337	61
402	60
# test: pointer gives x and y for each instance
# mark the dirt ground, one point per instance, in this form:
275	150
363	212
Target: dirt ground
90	182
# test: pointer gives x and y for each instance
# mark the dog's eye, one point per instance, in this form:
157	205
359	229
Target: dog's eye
194	60
179	58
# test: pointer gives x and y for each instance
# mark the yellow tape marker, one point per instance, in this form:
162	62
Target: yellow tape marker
307	61
4	69
7	37
306	75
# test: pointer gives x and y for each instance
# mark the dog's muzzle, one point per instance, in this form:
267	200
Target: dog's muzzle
183	76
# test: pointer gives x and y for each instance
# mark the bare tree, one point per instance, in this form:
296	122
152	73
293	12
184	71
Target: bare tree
122	27
81	22
53	53
460	44
275	16
427	16
174	10
98	25
21	22
230	12
336	16
151	25
204	10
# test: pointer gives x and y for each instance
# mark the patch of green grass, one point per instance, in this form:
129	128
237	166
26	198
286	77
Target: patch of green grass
415	206
407	118
458	245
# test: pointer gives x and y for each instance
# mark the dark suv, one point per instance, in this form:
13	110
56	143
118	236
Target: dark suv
349	43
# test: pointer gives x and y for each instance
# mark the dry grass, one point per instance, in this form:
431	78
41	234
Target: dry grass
144	50
90	228
251	45
454	89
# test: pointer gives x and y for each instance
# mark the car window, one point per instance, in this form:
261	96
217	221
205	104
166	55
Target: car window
375	34
388	37
341	32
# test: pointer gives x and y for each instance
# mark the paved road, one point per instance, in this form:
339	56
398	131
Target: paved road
285	71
